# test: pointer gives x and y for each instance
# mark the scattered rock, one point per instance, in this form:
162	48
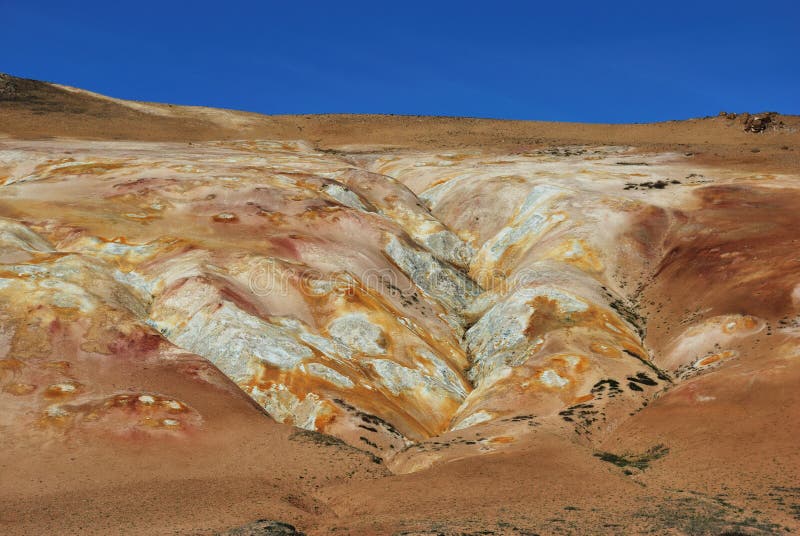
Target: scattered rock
727	115
263	527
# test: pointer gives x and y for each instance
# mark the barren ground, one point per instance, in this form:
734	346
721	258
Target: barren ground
590	329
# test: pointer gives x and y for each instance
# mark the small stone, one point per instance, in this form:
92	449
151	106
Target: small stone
226	217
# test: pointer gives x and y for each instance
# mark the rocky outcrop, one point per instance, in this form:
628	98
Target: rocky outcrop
8	88
759	122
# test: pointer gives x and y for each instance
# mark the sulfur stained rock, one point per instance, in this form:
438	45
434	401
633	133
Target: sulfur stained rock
417	295
518	324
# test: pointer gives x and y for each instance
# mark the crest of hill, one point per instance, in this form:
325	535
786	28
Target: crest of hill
32	109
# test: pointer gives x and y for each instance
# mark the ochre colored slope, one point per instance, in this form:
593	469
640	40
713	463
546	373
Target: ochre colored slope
383	324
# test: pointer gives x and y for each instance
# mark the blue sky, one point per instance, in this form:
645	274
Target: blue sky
560	60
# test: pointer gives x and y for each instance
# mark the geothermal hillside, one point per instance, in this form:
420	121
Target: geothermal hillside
394	325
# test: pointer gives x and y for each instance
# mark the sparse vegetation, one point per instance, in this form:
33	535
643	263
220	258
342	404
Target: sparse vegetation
330	441
660	184
636	461
697	514
629	313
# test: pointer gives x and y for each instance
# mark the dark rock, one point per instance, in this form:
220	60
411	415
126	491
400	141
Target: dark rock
8	89
263	527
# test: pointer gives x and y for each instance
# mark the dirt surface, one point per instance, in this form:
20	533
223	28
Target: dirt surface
578	329
37	110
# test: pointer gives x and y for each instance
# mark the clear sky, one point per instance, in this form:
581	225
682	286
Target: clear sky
599	61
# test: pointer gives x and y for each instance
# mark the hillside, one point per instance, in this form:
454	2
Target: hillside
394	325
